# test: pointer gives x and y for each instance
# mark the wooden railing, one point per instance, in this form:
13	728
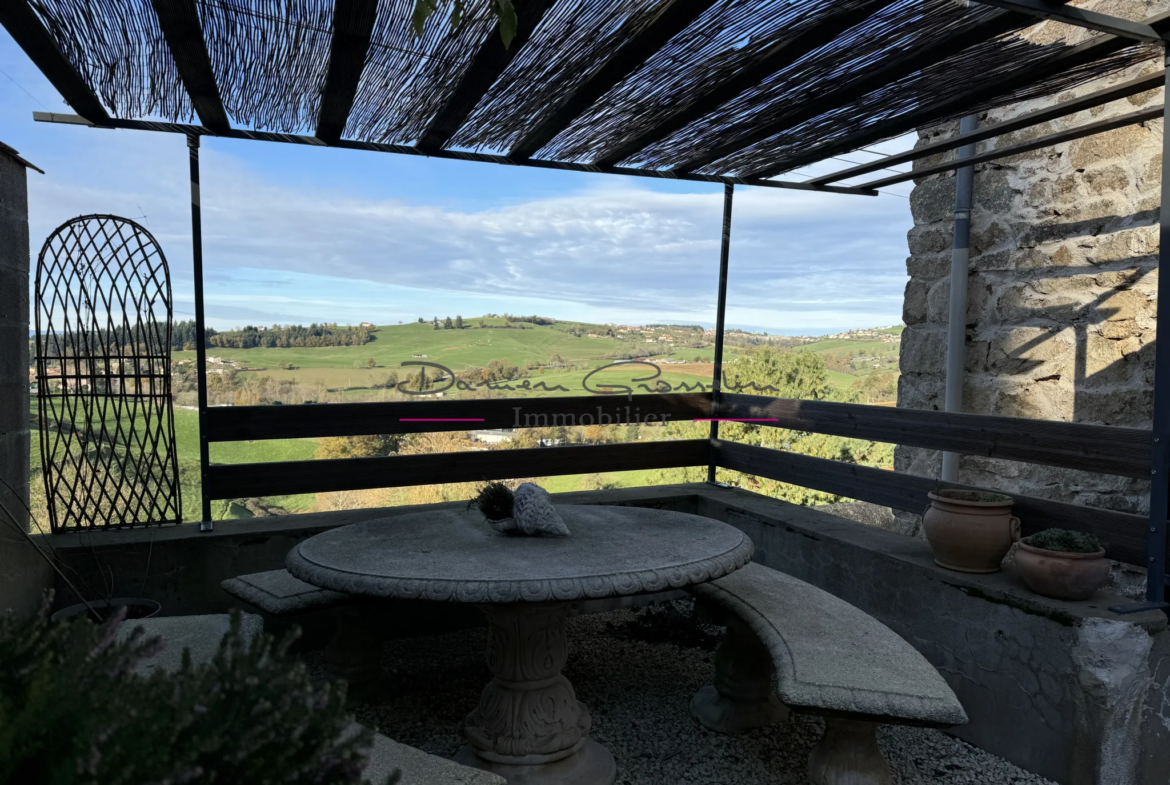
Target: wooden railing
1094	448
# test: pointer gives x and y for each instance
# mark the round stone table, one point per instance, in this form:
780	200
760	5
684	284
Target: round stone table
529	725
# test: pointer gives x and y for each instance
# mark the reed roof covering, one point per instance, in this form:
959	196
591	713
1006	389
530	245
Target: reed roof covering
743	88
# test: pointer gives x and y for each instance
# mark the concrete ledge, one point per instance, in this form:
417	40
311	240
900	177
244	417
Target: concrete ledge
200	635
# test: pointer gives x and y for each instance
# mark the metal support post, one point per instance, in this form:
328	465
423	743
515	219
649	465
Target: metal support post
957	319
200	330
720	313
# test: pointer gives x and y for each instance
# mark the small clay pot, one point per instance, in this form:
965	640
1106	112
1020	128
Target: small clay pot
970	531
1061	575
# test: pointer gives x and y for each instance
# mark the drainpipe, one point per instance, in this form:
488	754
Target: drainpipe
957	320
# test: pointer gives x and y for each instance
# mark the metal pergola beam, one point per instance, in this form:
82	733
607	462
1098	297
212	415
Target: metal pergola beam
481	73
978	95
1130	118
26	29
353	25
909	63
775	60
1082	17
1123	90
454	155
179	22
720	321
631	56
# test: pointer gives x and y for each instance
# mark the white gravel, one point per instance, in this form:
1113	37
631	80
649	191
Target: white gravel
636	670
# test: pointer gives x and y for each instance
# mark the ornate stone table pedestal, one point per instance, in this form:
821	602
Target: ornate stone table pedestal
529	726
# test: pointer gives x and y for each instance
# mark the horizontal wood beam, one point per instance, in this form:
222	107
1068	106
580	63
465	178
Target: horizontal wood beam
278	479
30	34
629	57
1082	17
1131	118
454	155
1141	84
353	25
1096	448
1124	533
711	97
180	25
238	423
488	64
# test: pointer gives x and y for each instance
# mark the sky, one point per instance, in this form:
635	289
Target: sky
294	235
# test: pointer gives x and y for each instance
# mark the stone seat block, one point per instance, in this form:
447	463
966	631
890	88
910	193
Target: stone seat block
277	592
201	635
420	768
825	657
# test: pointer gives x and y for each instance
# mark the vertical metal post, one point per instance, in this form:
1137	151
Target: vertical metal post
200	330
957	318
720	313
1160	458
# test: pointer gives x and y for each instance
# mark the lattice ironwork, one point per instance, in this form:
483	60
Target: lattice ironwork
107	430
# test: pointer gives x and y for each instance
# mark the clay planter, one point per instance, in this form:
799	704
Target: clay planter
970	531
1061	575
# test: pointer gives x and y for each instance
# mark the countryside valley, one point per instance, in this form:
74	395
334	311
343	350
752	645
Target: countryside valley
496	356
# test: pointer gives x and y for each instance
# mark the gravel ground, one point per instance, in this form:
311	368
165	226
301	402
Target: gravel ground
636	670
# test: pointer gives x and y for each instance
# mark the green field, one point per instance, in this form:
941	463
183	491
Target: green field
343	372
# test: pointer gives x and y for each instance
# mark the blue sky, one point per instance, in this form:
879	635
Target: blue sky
294	234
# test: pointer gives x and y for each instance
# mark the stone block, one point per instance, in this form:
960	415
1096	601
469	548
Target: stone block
1040	400
928	239
929	265
200	635
914	301
1129	409
924	347
934	202
14	300
1106	179
1124	143
1032	352
1114	362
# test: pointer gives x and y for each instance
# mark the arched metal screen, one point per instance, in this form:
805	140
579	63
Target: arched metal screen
107	432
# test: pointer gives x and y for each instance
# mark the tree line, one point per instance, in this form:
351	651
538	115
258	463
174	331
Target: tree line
277	336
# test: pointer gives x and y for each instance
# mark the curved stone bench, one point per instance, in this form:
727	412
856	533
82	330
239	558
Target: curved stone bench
828	658
199	635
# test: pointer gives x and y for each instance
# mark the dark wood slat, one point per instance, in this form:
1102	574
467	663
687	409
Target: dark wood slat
353	24
485	68
1095	448
179	22
631	56
278	479
980	93
890	71
717	94
236	423
27	30
1124	533
1124	90
1131	118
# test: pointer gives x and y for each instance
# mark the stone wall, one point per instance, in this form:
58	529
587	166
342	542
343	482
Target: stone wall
23	575
1061	293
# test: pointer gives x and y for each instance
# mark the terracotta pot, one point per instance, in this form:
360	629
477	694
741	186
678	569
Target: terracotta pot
970	531
1060	575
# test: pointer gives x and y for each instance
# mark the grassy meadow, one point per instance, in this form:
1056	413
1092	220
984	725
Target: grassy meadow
554	359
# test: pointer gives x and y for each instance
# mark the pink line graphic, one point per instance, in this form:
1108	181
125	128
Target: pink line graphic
440	419
737	419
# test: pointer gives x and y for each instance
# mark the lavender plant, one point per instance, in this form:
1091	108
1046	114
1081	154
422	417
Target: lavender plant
74	712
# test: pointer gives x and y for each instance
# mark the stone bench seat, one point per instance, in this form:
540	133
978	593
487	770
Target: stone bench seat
278	593
823	656
199	635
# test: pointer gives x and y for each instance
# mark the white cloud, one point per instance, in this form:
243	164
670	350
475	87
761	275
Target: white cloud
615	252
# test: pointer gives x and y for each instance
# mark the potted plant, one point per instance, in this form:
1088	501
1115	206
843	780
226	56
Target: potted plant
970	531
1063	564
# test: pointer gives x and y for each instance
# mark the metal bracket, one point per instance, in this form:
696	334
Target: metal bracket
718	484
206	526
1138	607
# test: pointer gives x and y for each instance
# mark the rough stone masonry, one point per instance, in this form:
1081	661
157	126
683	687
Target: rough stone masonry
1061	293
1060	325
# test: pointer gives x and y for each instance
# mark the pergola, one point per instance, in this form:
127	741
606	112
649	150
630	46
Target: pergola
736	92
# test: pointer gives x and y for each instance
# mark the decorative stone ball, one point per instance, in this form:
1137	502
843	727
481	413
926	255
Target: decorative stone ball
534	512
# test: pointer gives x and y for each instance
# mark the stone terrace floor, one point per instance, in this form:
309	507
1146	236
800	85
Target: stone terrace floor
636	671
